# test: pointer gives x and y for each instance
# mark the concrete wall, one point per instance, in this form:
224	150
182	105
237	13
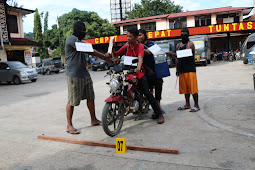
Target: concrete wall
138	26
162	24
213	19
3	56
20	33
241	17
191	21
121	30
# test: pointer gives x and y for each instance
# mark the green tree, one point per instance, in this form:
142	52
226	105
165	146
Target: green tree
153	7
29	36
46	42
45	28
38	37
37	27
56	53
96	27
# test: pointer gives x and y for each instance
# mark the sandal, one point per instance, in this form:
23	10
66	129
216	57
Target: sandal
73	132
194	109
163	112
183	108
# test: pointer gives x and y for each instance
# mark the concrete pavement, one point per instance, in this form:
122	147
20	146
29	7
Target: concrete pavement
220	136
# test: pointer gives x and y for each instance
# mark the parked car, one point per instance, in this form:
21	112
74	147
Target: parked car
202	49
101	64
168	45
251	57
49	65
247	47
16	72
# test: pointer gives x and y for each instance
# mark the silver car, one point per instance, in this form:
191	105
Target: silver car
16	72
247	47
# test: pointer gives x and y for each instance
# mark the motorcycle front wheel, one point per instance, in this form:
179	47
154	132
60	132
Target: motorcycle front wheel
112	118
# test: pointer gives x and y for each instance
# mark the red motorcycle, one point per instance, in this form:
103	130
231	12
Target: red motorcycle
126	98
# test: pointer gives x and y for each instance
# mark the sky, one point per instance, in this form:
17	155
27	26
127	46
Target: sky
102	7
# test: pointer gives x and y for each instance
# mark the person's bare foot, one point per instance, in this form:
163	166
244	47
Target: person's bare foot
96	122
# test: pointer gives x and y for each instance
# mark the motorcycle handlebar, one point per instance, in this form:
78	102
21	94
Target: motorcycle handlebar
131	71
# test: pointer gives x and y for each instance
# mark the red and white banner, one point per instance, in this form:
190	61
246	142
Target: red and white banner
211	29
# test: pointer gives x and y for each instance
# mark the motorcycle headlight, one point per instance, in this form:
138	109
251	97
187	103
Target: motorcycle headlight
114	85
243	55
102	63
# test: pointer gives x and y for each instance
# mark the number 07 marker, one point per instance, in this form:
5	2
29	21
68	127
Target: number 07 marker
121	146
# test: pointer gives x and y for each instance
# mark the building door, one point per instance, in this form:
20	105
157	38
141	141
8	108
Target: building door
16	55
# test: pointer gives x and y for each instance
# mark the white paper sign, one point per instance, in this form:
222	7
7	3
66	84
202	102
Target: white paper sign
84	47
128	60
155	49
184	53
28	58
111	45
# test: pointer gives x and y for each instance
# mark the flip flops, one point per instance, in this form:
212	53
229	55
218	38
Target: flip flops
194	109
73	132
183	108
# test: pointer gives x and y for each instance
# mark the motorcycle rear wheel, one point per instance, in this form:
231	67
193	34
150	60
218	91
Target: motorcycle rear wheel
112	115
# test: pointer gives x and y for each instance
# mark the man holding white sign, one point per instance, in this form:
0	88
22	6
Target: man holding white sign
80	85
186	70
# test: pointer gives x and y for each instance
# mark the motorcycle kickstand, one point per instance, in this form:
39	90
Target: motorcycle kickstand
139	115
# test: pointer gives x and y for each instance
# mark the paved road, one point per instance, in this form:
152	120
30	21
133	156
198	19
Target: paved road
45	84
220	136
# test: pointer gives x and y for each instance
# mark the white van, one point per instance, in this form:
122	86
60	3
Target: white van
247	46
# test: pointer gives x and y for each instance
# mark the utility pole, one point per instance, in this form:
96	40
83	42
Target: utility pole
121	15
118	9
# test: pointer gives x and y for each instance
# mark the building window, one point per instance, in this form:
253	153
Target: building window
151	26
178	23
228	18
13	24
202	20
118	30
127	27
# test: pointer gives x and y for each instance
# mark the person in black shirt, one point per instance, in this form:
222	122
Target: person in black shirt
149	65
186	70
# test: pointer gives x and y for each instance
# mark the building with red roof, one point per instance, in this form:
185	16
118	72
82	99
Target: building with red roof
14	47
225	26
